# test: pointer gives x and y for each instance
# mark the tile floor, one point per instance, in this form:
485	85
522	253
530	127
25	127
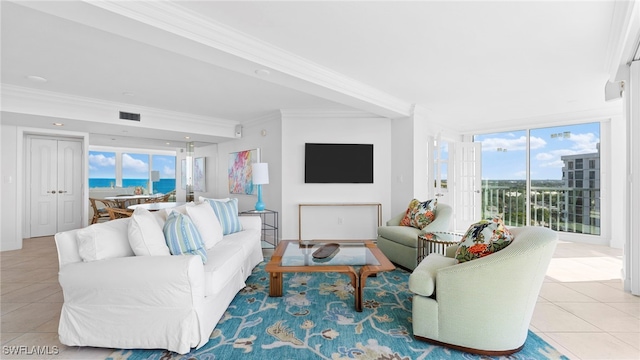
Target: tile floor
582	310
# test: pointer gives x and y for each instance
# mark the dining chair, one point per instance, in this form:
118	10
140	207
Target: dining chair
100	209
118	213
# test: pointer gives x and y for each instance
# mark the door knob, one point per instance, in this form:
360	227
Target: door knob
61	192
52	192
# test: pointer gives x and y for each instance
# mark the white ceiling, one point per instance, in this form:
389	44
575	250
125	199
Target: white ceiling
470	63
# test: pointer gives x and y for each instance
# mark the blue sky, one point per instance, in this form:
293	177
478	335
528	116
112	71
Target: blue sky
547	147
102	165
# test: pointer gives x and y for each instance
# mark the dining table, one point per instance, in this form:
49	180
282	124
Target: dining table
122	200
157	205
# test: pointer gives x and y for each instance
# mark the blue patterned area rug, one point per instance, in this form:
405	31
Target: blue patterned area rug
316	319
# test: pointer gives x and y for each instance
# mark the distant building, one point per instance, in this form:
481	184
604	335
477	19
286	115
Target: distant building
581	175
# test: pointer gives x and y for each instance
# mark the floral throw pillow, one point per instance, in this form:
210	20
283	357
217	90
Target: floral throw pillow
483	238
420	214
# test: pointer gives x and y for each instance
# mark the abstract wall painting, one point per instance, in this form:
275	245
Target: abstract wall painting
240	181
199	178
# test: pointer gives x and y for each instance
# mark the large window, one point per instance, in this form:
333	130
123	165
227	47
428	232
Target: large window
102	169
135	170
152	172
504	174
555	191
165	165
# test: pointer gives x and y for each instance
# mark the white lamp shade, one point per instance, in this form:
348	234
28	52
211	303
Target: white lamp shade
155	175
260	173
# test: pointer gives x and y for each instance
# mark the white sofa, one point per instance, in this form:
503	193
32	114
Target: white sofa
152	302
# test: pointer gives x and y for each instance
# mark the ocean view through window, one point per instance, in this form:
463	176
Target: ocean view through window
131	170
102	169
560	189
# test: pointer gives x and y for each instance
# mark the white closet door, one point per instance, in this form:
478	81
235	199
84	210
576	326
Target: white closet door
56	186
69	185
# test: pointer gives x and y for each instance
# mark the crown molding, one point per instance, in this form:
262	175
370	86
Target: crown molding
178	20
24	100
624	36
263	119
328	114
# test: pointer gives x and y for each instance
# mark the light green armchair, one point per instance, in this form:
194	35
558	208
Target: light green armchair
400	243
482	306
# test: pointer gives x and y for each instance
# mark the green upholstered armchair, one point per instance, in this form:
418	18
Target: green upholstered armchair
400	243
482	306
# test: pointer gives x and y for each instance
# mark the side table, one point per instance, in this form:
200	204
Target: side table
269	219
436	243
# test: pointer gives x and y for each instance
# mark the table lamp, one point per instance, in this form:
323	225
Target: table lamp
260	176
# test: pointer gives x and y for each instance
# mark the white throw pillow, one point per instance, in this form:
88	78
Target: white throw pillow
104	241
206	222
145	234
160	216
182	209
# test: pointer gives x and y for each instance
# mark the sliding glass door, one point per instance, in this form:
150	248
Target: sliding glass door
504	176
543	177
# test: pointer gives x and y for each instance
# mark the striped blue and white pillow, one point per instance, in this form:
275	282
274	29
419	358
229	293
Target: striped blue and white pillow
183	237
227	213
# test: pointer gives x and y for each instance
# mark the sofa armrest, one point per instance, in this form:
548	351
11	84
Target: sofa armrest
251	222
423	279
155	281
395	221
450	251
441	222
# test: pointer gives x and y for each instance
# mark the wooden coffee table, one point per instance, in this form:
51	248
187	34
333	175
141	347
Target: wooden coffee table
297	256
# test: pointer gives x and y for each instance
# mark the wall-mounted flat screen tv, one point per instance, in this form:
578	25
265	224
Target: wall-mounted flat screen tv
338	163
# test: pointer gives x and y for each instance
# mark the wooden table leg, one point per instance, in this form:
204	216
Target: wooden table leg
364	274
275	284
357	292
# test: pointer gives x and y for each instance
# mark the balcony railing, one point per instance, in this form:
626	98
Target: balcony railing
558	208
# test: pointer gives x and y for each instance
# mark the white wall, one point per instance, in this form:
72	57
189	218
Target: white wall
10	228
299	128
263	133
402	172
616	162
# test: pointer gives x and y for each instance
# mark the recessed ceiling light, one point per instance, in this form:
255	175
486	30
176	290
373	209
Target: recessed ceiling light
168	143
38	79
58	124
187	137
263	72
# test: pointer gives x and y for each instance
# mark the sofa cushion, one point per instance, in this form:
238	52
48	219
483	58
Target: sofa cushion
420	214
405	235
145	234
182	236
483	238
225	260
227	214
423	279
206	221
104	241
